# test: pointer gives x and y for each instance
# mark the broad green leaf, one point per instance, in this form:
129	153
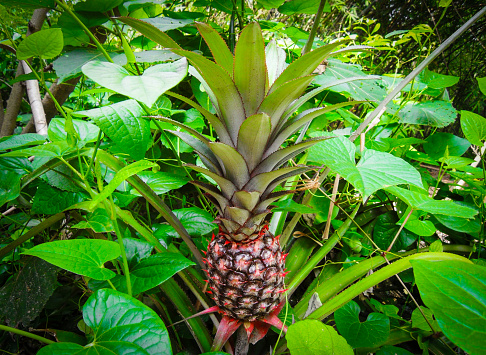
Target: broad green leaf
45	44
321	203
388	310
9	185
270	4
456	162
21	140
219	49
436	247
166	23
420	227
312	337
430	113
97	5
99	221
419	322
439	143
374	171
392	350
385	230
24	296
454	291
29	4
136	250
161	182
69	64
50	200
150	31
373	332
80	256
474	127
63	178
482	84
156	269
196	221
289	205
73	33
56	149
146	87
121	176
438	81
372	90
458	224
86	131
121	325
122	123
250	75
421	201
299	7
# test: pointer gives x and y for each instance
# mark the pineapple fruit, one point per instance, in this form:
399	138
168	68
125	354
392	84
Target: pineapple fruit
255	94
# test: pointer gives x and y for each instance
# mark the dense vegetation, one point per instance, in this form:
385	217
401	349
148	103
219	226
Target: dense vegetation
117	118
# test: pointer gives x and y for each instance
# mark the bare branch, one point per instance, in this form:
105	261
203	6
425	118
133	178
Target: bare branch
33	92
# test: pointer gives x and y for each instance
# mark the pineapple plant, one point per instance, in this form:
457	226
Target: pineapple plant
255	94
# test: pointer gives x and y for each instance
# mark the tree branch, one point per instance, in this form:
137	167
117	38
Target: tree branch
33	92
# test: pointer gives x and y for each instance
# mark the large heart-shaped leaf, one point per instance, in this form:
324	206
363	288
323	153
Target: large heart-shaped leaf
45	44
122	123
454	291
311	337
121	325
372	332
374	171
81	256
146	87
474	127
431	113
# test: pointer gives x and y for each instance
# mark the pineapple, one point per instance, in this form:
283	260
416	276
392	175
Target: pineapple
255	94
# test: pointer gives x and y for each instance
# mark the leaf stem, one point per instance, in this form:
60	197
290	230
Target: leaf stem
26	334
315	26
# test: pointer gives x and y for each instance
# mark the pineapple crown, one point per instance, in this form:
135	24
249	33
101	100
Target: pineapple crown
254	93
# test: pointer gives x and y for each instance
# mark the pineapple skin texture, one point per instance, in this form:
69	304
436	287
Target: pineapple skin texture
246	279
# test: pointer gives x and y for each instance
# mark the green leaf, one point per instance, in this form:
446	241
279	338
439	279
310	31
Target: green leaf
270	4
9	185
80	256
234	163
385	230
161	182
97	5
374	171
311	337
45	44
146	87
419	322
219	49
250	74
474	127
481	84
439	143
57	149
421	201
388	310
166	23
121	176
253	137
29	4
454	291
422	228
122	123
21	140
150	31
121	325
392	350
460	224
438	81
136	250
156	269
69	64
25	295
196	221
373	332
431	113
86	131
50	200
299	7
99	221
289	205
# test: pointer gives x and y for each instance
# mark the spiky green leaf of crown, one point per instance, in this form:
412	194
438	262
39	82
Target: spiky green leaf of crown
254	93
